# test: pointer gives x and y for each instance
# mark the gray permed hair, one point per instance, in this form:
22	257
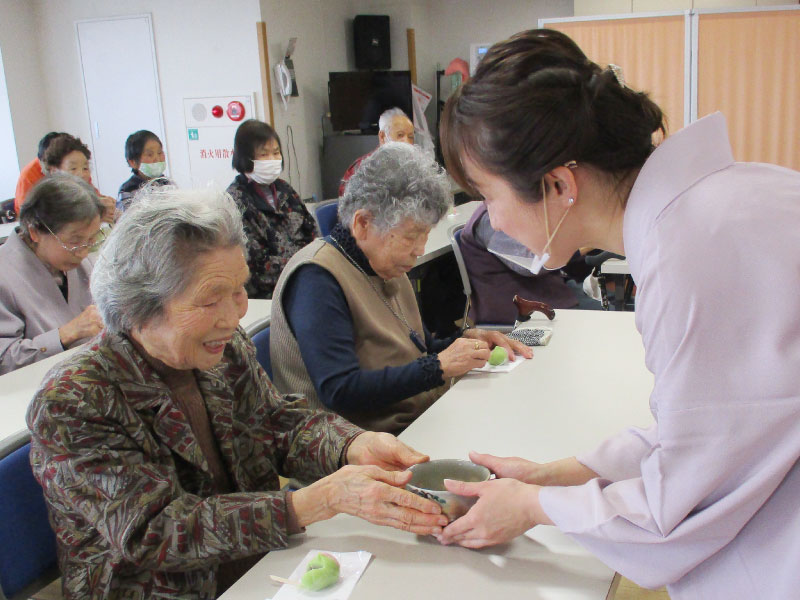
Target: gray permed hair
397	182
58	200
147	260
387	116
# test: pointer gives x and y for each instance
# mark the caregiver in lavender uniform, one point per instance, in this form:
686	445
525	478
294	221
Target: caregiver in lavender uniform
707	500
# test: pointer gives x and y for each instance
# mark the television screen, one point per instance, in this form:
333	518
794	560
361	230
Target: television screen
358	98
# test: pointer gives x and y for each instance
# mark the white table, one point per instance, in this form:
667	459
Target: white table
5	231
615	266
438	243
19	386
589	383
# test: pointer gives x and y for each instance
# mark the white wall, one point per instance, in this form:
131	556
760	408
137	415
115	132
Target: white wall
443	31
203	47
18	42
9	173
614	7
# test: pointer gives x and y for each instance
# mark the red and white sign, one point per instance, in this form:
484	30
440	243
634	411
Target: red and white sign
211	123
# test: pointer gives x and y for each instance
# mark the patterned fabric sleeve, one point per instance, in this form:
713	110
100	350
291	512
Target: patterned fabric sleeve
95	474
309	444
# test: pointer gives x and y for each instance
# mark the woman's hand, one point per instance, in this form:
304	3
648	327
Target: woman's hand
513	467
383	450
505	509
109	209
372	494
462	356
567	471
86	324
495	338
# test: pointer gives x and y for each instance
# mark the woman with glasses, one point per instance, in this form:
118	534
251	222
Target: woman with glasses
45	303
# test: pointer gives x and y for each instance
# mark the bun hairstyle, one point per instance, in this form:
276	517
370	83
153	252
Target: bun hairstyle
537	102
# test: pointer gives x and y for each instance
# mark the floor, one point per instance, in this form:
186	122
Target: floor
627	590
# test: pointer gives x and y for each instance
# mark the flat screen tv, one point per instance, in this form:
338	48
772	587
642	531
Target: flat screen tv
357	98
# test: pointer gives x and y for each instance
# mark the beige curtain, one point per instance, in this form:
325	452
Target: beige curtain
649	50
748	67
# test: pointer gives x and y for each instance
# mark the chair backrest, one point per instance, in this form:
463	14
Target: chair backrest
27	543
454	234
261	342
327	217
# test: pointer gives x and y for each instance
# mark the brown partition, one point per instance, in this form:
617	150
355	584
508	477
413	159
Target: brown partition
650	51
748	67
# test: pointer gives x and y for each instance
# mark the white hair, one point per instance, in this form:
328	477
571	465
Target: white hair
396	182
386	118
148	258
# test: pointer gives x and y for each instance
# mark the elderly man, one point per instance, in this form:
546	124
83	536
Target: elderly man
394	126
159	444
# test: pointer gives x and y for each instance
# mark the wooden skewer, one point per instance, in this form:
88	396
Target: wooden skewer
282	580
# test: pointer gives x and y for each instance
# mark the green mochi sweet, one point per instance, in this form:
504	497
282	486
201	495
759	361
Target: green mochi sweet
498	356
323	571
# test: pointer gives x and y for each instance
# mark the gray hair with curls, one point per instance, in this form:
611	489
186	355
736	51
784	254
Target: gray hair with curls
149	257
395	183
388	116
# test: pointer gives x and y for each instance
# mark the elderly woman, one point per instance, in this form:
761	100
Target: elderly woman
145	155
45	303
67	154
159	445
346	329
276	221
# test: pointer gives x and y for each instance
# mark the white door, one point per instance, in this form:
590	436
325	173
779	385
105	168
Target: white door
120	80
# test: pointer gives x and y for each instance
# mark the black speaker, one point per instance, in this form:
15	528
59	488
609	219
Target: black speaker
371	40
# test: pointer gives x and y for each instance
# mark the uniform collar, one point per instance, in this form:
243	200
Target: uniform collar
683	159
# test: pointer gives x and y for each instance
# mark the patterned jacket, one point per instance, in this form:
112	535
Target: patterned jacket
130	494
273	234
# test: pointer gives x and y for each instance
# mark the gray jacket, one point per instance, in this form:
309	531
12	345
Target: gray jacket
32	307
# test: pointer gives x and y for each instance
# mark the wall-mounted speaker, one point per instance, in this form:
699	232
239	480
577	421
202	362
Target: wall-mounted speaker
371	40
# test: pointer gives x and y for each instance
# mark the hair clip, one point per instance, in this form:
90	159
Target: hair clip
617	71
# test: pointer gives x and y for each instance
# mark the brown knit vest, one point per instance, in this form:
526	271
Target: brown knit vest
381	339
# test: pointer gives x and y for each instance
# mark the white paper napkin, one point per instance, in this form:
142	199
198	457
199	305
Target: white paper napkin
351	566
504	368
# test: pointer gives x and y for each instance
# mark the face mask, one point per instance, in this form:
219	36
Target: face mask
538	261
266	171
152	170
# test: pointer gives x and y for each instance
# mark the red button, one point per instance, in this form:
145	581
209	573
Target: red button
217	111
235	110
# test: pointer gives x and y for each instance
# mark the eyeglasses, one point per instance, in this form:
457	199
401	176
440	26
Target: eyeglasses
92	246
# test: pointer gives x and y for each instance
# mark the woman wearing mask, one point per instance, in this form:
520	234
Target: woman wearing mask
705	500
145	155
276	222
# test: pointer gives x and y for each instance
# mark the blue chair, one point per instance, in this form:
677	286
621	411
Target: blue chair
261	342
327	216
27	543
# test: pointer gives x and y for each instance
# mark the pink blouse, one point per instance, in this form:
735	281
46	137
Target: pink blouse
707	501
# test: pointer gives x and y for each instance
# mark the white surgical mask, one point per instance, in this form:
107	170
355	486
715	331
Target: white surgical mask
538	261
266	171
151	170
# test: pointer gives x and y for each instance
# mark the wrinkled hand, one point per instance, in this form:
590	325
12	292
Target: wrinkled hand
383	450
86	324
109	209
511	467
463	355
505	509
372	494
495	338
